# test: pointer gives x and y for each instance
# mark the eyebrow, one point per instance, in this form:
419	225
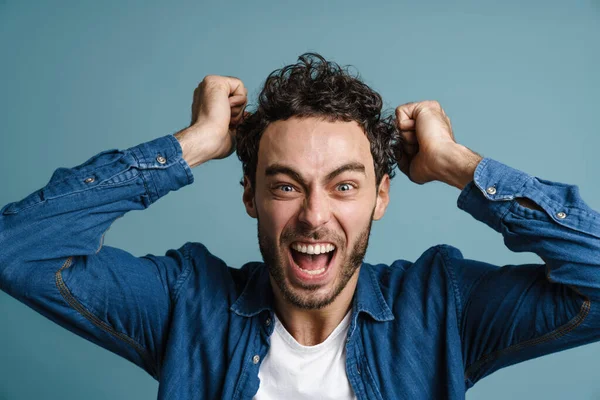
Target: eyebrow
275	169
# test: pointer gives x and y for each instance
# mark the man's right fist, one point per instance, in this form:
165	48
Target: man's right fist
218	107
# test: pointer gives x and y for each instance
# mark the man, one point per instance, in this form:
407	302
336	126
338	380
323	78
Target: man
313	320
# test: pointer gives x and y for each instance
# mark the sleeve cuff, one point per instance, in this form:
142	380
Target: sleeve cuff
495	186
489	196
162	166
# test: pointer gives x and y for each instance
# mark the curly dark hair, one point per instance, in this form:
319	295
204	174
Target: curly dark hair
315	87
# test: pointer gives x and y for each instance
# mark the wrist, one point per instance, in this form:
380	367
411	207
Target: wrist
458	166
195	149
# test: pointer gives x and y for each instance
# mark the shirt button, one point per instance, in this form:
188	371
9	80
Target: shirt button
561	215
256	359
90	179
161	159
268	322
491	190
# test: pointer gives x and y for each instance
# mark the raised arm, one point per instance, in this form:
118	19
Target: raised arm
512	313
51	252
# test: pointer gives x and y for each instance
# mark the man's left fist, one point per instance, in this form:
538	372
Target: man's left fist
429	151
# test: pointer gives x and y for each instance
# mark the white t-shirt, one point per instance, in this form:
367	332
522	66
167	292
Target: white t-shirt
292	371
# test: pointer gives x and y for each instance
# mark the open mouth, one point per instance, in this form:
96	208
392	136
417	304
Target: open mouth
312	259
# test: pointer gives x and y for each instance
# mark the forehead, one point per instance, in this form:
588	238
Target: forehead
314	147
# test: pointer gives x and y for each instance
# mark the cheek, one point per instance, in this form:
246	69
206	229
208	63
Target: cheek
353	217
275	215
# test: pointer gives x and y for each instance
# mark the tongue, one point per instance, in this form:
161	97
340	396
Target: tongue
310	262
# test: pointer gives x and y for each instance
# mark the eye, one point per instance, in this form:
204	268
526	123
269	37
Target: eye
345	187
285	188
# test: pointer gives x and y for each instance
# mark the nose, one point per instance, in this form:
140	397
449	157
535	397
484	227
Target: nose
315	210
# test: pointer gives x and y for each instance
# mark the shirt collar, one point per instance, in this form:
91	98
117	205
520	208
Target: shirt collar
257	295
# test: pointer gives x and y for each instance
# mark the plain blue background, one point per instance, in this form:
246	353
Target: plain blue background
519	81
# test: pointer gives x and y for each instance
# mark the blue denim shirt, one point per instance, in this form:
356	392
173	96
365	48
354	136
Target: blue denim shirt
428	329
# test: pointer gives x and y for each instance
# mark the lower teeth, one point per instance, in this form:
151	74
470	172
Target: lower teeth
314	271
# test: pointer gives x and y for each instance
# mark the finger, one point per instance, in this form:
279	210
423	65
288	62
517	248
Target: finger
238	118
236	86
233	86
237	100
410	150
412	110
409	137
238	109
237	113
406	111
235	121
406	125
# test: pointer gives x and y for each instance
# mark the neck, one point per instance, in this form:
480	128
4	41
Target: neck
311	327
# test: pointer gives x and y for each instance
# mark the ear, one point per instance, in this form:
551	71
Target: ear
383	197
248	198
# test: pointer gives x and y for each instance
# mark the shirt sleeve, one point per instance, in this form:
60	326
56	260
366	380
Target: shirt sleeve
52	256
513	313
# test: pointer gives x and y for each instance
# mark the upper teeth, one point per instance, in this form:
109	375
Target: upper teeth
313	249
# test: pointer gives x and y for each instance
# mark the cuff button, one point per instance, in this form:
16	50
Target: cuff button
161	159
561	215
491	190
90	179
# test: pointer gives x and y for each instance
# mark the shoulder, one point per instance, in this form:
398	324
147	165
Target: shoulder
428	283
211	271
435	266
441	254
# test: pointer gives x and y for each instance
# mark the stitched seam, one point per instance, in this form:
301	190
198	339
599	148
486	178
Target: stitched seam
462	199
153	179
450	272
371	382
80	171
247	362
184	275
479	172
109	183
188	171
379	295
547	202
559	206
553	335
142	175
70	299
353	356
245	293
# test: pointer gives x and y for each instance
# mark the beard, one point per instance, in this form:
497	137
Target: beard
306	298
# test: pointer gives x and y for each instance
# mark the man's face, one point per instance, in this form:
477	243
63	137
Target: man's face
316	193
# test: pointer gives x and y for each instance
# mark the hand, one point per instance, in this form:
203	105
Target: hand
218	107
429	151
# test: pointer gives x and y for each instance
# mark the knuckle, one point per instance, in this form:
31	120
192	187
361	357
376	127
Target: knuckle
401	107
235	80
432	103
212	80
